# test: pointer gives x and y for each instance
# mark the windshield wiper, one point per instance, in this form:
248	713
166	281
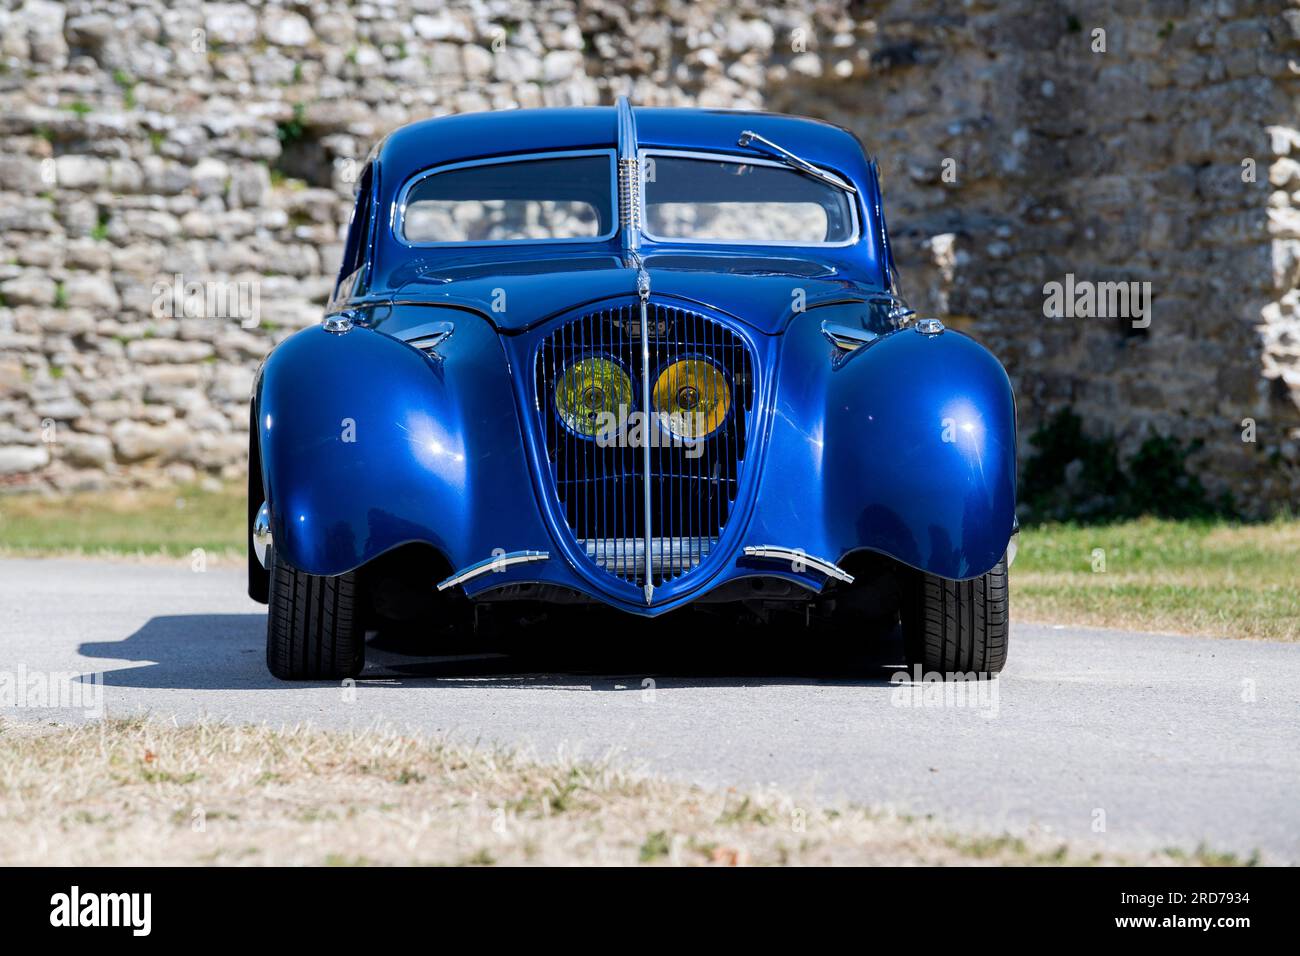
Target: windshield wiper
752	140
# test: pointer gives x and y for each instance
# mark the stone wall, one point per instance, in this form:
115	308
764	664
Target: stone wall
144	141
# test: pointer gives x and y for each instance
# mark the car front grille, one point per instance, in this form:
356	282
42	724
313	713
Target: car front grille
600	485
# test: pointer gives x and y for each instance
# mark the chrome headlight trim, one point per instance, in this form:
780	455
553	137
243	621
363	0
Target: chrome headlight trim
262	534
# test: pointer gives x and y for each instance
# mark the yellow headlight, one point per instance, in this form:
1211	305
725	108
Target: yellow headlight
692	398
590	388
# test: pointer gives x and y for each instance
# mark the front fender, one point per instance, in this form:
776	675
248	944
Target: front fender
905	446
367	443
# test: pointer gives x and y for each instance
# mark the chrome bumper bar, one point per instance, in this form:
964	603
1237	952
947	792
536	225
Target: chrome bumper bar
497	562
798	560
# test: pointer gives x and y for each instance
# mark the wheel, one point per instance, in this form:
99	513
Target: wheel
958	626
313	625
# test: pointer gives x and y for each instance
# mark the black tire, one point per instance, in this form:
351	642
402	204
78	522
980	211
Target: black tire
958	626
313	625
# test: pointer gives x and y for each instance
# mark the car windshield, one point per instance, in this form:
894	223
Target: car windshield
704	199
554	198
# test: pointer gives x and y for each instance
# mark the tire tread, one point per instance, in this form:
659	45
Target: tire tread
958	626
312	625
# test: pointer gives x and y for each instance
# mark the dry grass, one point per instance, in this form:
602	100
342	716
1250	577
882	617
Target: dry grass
147	792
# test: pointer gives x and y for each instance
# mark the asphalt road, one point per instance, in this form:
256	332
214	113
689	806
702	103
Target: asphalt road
1178	740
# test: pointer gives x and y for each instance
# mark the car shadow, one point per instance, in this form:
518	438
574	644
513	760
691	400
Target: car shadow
227	652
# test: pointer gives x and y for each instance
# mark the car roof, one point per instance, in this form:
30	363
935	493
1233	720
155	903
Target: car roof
447	139
412	149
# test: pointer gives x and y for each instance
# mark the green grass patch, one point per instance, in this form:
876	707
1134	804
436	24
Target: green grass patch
1195	576
656	846
172	523
1232	580
127	84
1205	856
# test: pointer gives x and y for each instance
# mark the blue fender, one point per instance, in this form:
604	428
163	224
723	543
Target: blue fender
905	446
367	443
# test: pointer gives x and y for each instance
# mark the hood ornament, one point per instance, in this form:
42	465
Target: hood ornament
338	322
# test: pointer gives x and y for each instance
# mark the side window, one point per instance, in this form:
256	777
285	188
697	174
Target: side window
351	279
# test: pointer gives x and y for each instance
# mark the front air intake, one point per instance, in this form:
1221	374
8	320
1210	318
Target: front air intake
588	375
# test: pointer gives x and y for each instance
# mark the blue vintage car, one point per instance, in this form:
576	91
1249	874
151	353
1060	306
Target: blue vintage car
638	358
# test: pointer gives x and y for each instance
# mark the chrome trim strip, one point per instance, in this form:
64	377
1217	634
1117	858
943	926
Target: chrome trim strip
262	534
846	336
497	562
629	177
440	328
428	336
796	557
398	218
643	291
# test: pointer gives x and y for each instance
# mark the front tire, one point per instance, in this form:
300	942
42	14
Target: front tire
313	625
958	626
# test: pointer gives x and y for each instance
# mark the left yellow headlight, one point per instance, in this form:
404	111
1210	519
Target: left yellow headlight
692	398
589	389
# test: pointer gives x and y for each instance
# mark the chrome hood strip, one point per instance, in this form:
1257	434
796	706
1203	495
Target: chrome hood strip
629	178
643	292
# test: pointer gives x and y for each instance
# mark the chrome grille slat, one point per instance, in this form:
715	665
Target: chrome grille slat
681	557
601	491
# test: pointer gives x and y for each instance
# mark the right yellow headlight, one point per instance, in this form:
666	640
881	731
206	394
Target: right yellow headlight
692	398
